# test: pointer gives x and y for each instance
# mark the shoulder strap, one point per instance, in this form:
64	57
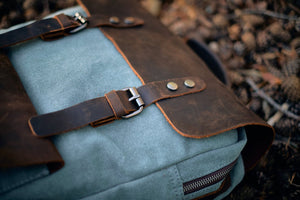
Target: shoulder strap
63	25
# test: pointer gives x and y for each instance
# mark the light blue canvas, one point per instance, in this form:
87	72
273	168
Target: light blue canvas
139	158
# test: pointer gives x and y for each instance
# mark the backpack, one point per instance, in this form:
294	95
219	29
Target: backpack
124	111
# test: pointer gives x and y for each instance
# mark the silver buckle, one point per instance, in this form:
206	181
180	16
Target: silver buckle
139	101
82	20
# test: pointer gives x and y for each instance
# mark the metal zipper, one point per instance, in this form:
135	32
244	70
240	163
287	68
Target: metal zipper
207	180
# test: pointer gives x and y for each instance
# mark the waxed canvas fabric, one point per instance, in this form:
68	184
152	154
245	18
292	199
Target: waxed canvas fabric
139	158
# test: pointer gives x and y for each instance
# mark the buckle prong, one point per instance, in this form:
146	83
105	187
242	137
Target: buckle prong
139	101
82	20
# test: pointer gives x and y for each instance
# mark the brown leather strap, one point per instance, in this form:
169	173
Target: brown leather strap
114	105
18	147
62	25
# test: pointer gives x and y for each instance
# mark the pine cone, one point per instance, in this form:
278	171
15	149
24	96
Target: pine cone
263	39
278	32
235	78
220	20
237	62
291	88
291	67
254	20
295	43
239	48
234	31
249	40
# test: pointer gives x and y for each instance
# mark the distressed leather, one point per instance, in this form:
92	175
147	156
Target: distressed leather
114	105
155	54
18	147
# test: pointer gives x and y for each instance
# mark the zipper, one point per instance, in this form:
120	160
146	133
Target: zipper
207	180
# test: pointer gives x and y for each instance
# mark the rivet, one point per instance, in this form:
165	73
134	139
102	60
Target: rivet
189	83
114	20
129	20
172	86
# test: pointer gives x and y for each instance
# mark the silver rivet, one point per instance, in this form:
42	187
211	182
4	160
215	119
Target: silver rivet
129	20
172	86
189	83
114	20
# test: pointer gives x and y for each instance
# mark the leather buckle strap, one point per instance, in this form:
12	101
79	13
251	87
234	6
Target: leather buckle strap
62	25
114	105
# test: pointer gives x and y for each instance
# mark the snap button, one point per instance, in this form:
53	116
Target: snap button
114	20
172	86
189	83
129	20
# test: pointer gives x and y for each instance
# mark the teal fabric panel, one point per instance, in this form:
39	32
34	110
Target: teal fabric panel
86	65
146	187
167	183
13	178
211	161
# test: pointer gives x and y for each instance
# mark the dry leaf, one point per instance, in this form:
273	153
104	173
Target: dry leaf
270	78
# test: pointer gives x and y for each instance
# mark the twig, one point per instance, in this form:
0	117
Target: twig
276	117
270	14
291	180
263	95
279	139
294	8
291	145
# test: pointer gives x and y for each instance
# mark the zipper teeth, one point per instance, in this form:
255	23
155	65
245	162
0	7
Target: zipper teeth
207	180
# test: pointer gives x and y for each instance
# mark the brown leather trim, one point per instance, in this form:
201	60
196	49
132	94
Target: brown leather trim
18	147
155	54
124	56
84	8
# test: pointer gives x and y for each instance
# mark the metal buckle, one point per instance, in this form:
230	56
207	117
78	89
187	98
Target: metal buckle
139	101
82	20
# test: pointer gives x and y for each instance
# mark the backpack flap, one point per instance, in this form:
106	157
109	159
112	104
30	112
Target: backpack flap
161	55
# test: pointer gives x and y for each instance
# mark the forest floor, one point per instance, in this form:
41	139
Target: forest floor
258	42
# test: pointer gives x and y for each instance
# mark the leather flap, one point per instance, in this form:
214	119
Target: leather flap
18	147
155	54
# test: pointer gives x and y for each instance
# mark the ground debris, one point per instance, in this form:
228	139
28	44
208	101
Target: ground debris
260	41
259	44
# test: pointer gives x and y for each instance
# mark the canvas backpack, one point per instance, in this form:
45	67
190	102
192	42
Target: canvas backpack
111	105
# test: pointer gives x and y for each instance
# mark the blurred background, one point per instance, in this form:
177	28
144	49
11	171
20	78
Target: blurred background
258	42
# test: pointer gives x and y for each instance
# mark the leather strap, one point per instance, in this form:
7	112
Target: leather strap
63	25
114	105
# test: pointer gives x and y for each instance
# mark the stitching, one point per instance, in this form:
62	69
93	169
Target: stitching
123	55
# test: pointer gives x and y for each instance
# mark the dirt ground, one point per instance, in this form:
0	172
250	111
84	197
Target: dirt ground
258	42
